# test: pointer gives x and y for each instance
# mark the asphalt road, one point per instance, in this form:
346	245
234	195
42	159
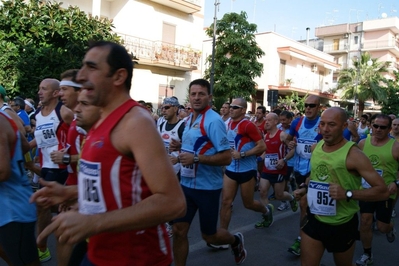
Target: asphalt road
266	246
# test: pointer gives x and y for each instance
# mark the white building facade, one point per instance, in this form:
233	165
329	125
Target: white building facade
165	36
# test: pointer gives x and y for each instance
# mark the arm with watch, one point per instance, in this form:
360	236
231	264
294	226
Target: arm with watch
219	159
259	148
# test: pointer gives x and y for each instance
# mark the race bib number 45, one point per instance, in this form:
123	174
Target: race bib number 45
319	200
91	199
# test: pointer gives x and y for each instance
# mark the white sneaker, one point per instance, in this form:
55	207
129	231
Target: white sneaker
219	247
283	206
364	260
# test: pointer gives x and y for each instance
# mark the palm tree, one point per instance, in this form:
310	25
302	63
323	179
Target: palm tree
365	81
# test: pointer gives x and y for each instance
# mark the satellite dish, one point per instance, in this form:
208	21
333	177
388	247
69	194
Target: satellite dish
384	15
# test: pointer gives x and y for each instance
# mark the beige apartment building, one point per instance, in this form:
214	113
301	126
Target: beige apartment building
290	66
165	36
346	42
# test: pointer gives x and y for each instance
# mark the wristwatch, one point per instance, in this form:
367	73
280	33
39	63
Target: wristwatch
285	159
196	159
349	195
66	158
242	154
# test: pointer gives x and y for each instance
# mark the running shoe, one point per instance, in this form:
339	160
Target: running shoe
240	253
294	205
295	248
283	206
365	259
391	235
267	220
218	247
44	255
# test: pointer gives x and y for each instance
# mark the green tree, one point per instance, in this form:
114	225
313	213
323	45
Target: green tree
390	105
292	102
236	57
40	39
364	82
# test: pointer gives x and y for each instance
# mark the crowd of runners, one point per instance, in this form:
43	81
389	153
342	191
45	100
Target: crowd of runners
117	183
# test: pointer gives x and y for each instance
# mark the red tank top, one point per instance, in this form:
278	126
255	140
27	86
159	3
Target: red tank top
275	150
116	183
74	139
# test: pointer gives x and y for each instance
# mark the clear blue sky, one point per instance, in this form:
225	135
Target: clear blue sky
290	18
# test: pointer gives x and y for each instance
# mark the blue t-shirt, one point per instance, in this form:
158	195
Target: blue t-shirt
24	116
306	134
205	136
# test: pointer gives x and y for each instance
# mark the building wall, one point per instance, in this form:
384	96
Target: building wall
144	20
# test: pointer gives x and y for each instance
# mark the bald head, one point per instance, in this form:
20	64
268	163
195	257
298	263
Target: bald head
242	102
336	112
273	116
54	84
314	99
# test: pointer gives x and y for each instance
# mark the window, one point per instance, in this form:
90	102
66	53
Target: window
336	44
282	71
356	39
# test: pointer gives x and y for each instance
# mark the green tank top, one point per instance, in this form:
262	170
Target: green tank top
330	167
382	160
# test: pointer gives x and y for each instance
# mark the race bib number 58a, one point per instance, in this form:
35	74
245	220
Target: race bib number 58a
91	199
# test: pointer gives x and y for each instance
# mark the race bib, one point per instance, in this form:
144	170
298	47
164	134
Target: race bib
232	144
367	185
271	161
91	199
188	170
319	200
45	135
303	148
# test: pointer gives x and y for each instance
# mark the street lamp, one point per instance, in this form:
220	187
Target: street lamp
212	76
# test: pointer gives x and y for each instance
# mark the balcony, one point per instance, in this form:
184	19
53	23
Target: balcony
390	45
336	49
162	54
186	6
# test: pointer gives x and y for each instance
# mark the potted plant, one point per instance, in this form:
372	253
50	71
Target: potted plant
288	82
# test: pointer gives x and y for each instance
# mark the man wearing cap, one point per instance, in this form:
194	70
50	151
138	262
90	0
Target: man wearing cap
18	104
171	128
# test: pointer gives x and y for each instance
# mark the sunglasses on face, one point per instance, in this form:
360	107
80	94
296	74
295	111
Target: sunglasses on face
310	105
188	108
378	126
166	107
235	107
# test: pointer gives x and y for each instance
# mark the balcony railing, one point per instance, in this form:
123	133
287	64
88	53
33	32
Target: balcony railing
158	52
187	6
333	48
381	44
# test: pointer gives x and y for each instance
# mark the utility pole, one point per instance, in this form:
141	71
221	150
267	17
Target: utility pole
212	76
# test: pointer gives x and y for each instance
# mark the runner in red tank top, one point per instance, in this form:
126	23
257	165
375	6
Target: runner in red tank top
124	200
